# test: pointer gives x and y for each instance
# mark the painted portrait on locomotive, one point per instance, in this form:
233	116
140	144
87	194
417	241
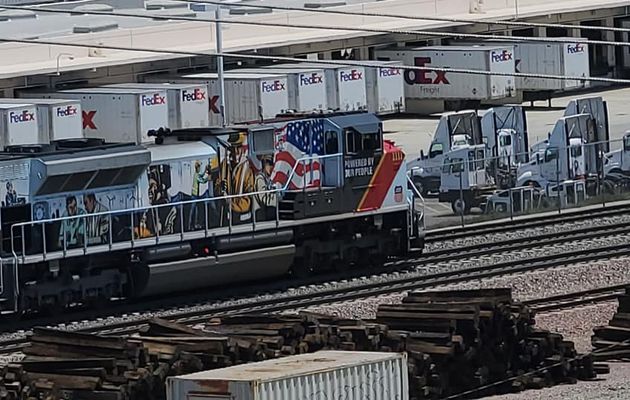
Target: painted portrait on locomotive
189	180
76	227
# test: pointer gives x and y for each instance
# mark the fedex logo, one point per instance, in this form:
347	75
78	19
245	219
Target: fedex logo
388	72
275	86
24	116
425	77
156	99
66	111
195	95
575	48
500	57
354	75
312	79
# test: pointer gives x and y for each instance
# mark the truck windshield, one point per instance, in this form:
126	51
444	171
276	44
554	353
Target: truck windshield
626	143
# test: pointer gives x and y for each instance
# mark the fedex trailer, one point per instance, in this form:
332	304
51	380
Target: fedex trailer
450	88
19	126
306	87
57	119
569	59
385	89
248	97
188	105
117	115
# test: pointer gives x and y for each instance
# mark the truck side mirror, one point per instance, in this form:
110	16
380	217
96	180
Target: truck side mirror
422	154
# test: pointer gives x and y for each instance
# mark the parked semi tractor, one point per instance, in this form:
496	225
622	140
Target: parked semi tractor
503	131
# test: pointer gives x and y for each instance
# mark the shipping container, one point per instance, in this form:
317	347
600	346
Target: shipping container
322	375
188	105
57	119
385	89
445	85
117	115
570	59
248	97
19	126
306	86
345	86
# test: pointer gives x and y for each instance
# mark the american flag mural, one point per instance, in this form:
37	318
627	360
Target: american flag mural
296	140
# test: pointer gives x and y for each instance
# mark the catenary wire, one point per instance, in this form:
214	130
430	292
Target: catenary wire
326	27
423	18
340	63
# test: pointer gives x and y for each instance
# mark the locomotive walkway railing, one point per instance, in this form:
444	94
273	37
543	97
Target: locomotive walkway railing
149	225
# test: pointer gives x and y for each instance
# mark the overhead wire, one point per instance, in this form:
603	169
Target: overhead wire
341	63
325	27
409	17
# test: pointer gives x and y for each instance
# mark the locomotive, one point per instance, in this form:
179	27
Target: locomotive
85	220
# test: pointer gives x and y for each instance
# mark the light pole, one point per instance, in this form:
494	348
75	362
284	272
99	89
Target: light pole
219	47
70	57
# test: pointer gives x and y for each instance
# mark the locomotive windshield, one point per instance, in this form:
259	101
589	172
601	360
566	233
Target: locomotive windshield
359	142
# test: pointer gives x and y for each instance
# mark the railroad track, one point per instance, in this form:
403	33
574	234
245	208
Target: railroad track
525	222
396	284
576	299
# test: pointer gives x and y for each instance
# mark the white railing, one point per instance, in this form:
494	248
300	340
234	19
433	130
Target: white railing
417	194
136	233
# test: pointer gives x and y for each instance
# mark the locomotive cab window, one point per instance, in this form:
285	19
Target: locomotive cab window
332	142
361	142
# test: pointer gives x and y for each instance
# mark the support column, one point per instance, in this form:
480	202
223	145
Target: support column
540	31
574	32
609	36
327	55
363	53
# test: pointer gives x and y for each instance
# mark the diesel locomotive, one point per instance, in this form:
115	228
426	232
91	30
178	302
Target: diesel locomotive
84	220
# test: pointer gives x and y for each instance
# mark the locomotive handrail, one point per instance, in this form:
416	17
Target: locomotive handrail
137	210
417	193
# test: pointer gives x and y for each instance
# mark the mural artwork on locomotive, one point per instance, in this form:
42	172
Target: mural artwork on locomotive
294	141
89	230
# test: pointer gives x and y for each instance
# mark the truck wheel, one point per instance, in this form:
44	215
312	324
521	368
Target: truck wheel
419	183
457	205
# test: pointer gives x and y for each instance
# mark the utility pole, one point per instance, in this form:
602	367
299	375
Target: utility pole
220	65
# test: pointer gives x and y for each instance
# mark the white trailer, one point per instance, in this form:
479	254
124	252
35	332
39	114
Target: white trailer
248	97
188	104
570	59
384	86
117	115
444	85
306	85
385	89
58	119
19	126
319	375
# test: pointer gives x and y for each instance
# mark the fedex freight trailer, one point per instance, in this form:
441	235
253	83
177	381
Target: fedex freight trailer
188	105
19	126
306	87
383	91
57	119
453	87
117	115
569	59
248	97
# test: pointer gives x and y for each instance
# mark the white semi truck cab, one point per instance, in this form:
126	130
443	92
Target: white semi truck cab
464	179
618	161
454	130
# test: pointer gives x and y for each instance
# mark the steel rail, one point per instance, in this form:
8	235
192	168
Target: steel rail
397	284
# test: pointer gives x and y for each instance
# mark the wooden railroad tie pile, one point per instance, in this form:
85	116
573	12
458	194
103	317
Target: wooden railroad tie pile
456	341
612	342
462	340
